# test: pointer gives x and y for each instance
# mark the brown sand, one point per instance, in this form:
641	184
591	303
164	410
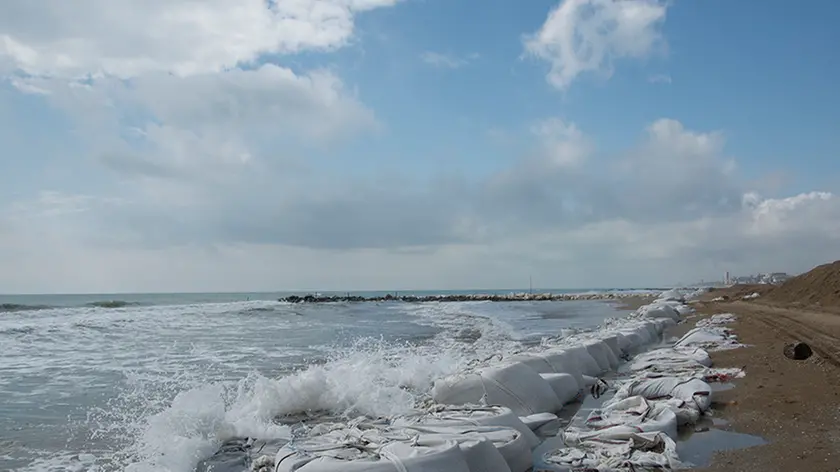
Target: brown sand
818	288
795	405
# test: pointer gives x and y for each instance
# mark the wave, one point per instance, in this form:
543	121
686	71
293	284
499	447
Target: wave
173	411
372	378
112	304
13	307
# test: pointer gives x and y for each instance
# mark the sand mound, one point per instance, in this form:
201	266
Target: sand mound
818	287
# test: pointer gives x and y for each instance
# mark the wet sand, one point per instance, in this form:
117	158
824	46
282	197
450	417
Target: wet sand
794	405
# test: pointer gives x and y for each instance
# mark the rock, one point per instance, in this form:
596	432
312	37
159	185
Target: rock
798	351
509	297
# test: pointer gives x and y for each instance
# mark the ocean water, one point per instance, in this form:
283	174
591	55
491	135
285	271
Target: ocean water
157	382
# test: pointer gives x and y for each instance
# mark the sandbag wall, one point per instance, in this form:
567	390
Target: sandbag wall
491	418
663	389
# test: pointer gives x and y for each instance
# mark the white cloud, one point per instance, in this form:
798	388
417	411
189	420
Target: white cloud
660	79
563	143
588	35
131	37
195	171
154	90
670	208
446	61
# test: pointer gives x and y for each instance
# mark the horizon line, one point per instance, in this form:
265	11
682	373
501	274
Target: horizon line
311	291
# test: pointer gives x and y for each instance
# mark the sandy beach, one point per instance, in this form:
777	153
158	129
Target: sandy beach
794	405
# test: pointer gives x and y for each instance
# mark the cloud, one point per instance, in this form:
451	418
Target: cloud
588	35
446	61
563	143
195	164
660	79
132	37
670	208
170	102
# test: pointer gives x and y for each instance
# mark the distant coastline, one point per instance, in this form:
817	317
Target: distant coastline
15	303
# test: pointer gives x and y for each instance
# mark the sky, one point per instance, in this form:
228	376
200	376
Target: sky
248	145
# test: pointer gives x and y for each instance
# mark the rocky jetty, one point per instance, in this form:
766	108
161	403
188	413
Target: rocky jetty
474	297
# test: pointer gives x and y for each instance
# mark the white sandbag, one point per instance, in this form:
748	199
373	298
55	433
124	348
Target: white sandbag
479	453
612	341
710	338
695	392
659	311
565	386
575	361
479	416
672	295
671	360
643	333
542	424
664	323
638	412
655	334
536	362
685	310
686	415
640	451
513	385
635	341
346	451
512	450
625	344
602	355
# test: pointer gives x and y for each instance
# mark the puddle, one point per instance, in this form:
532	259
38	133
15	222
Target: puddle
698	445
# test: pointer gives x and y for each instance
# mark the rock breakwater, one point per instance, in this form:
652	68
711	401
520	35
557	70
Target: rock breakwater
473	297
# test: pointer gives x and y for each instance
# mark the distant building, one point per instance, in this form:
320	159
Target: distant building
773	278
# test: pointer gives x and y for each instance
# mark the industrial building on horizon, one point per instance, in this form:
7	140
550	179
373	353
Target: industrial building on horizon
773	278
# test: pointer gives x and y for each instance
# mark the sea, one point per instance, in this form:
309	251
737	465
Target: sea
157	382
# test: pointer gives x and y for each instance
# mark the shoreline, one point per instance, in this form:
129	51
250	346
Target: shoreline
629	298
793	405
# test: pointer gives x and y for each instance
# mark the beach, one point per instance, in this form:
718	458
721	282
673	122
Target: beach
794	405
380	358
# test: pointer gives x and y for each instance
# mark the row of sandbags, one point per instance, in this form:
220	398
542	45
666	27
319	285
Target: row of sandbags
637	428
542	380
671	305
456	439
483	420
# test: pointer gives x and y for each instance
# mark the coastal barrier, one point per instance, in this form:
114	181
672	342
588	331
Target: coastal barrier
504	413
470	297
636	427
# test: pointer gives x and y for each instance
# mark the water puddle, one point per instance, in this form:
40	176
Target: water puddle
698	445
